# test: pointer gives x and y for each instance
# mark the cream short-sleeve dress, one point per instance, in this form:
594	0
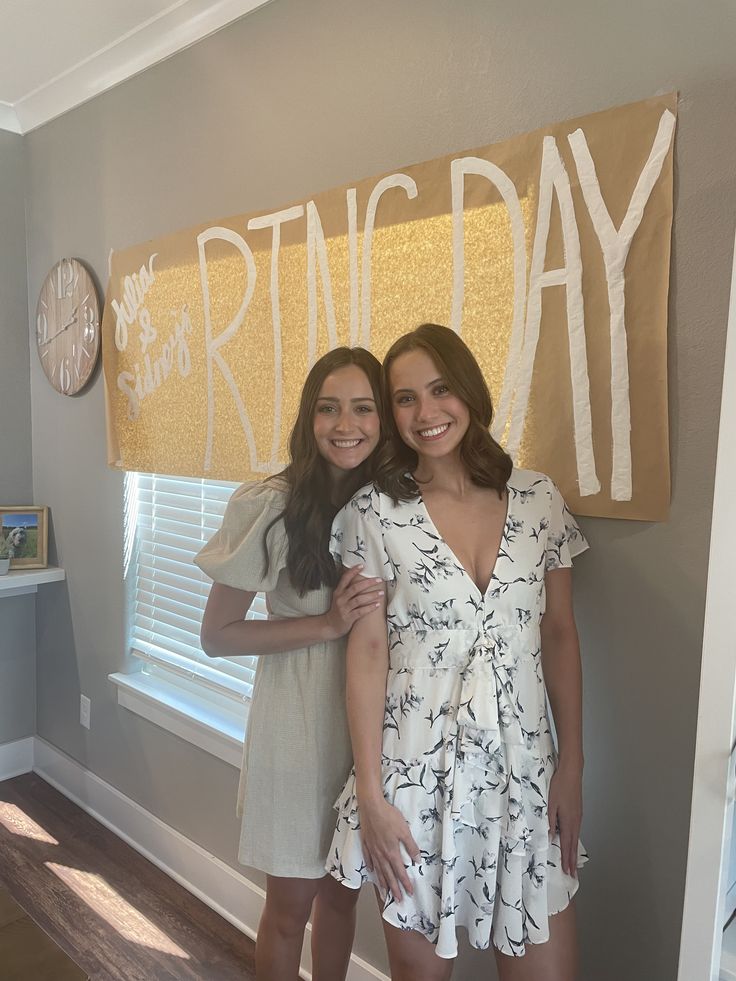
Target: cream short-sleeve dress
297	747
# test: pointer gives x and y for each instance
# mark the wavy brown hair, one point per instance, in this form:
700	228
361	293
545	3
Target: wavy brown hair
488	464
310	501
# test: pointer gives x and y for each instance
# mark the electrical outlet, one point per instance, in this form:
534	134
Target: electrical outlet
84	710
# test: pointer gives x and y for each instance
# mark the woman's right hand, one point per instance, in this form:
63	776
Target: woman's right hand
353	597
383	830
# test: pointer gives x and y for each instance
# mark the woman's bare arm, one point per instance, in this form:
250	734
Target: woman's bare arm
367	667
561	665
383	828
225	632
563	678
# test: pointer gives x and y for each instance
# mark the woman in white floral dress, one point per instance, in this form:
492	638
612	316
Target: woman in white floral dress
459	807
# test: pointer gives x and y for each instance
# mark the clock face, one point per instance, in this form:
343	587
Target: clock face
68	326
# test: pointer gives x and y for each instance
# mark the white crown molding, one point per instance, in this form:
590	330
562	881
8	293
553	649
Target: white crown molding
9	118
178	27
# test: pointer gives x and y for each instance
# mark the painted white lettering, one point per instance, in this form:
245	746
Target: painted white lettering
148	332
352	207
126	385
135	287
394	180
213	344
317	252
553	177
484	168
615	244
146	379
275	221
505	186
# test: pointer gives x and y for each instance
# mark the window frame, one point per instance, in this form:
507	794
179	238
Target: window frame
180	690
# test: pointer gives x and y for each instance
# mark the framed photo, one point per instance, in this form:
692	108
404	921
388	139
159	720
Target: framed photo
25	530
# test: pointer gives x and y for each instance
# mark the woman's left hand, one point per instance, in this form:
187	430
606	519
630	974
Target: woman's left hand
565	810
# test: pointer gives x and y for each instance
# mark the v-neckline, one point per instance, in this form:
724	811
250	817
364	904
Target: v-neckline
503	540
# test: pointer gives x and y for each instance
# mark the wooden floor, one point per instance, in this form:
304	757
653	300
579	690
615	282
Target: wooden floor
114	913
26	952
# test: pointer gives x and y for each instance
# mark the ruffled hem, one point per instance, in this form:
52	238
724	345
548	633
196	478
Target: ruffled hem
285	871
502	892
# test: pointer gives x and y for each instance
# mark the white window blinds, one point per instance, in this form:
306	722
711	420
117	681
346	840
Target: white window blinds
167	520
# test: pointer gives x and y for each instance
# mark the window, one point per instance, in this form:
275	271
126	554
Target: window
167	520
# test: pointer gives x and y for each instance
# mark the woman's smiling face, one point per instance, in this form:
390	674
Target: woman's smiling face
431	420
346	422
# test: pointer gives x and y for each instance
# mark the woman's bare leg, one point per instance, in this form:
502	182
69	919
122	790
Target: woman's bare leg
281	930
556	960
333	929
412	957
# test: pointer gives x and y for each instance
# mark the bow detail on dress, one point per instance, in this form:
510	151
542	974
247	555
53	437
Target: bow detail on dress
488	700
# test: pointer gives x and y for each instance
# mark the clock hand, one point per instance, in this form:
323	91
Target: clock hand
66	326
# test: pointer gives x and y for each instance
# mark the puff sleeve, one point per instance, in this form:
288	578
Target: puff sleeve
235	556
565	540
357	535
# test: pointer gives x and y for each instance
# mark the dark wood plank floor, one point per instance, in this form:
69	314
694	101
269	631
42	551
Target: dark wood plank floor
114	913
26	952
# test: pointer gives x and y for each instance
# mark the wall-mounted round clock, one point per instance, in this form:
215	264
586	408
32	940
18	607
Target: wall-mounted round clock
68	326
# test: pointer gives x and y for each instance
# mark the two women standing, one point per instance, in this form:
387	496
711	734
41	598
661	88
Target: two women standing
459	809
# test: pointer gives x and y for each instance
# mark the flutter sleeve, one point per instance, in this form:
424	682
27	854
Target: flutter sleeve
565	540
357	535
235	555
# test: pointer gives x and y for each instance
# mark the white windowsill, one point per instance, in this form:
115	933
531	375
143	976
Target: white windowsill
21	581
179	708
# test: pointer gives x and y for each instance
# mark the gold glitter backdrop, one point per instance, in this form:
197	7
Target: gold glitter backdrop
548	252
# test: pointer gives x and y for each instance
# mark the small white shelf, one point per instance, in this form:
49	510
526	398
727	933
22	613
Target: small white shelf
21	581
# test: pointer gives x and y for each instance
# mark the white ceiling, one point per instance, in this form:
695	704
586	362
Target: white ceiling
56	54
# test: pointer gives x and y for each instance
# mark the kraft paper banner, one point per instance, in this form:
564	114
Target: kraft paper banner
548	252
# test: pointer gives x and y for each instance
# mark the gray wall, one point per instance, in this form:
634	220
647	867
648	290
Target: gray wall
15	394
17	615
301	97
17	667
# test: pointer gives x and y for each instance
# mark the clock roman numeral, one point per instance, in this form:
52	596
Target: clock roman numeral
65	279
42	328
65	376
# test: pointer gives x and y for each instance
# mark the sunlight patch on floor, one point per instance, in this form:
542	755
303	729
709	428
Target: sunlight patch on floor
18	822
110	905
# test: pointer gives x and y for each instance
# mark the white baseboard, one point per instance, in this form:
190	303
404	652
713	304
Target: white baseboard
16	758
221	887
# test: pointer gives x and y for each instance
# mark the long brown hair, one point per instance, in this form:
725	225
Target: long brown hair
310	500
488	464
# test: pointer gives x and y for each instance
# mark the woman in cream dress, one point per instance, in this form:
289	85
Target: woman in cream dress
275	539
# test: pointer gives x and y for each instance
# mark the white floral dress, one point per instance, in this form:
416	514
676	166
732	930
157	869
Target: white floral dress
467	749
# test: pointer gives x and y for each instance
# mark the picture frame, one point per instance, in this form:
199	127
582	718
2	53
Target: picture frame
26	531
